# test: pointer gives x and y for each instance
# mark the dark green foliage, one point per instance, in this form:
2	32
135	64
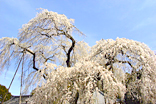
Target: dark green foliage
33	91
3	91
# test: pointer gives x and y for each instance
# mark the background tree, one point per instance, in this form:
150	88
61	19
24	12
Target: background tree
122	56
3	91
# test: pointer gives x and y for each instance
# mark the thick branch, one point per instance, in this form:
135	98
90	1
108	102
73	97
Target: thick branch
34	61
69	51
34	56
34	65
76	97
68	62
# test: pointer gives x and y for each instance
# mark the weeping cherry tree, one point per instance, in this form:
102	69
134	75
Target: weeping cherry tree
66	71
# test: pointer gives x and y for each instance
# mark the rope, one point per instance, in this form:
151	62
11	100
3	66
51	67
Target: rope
21	79
12	80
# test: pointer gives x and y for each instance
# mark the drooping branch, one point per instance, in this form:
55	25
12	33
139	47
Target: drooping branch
61	32
34	57
32	53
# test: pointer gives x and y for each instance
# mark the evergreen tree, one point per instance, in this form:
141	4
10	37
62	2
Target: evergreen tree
3	91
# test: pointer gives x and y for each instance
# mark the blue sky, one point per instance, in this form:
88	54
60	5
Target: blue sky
97	19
